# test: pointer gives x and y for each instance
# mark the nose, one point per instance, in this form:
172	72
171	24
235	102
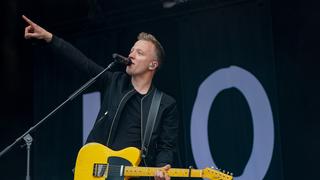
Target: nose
132	55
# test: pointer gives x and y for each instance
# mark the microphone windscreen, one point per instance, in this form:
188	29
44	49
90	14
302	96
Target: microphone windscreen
121	59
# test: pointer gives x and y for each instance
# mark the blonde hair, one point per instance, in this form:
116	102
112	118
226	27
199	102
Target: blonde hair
158	47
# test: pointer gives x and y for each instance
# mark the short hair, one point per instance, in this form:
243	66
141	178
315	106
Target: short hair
158	47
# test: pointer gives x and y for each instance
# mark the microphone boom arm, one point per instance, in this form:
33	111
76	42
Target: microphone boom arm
70	98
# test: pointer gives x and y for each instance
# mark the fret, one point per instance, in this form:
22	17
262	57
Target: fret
150	171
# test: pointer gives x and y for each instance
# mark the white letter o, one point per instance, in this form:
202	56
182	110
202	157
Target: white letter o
263	127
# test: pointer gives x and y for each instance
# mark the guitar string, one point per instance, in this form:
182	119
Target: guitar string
115	170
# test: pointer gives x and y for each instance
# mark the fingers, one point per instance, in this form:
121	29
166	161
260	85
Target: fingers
159	175
162	173
31	36
29	32
28	20
26	32
167	177
166	168
28	29
35	31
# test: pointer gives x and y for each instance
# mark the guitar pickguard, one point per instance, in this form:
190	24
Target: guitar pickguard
114	174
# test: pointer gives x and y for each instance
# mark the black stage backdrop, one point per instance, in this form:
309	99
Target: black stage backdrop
244	74
197	45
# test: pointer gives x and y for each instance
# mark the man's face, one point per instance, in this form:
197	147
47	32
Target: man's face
142	55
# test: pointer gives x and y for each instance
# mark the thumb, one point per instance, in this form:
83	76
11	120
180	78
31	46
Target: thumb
167	167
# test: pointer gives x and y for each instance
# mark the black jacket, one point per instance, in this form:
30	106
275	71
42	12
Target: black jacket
117	89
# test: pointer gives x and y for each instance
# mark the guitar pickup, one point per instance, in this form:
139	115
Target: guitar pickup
99	170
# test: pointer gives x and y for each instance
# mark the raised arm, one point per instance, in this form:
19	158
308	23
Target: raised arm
66	50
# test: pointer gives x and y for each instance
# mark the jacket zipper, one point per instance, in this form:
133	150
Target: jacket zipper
117	114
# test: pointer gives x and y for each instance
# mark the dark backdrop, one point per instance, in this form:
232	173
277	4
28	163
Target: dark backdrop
275	41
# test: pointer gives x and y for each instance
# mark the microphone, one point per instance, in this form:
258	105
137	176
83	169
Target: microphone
121	59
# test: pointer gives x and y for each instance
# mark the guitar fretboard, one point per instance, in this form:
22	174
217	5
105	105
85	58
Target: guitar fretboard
150	171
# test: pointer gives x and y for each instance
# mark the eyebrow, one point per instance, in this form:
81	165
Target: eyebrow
137	49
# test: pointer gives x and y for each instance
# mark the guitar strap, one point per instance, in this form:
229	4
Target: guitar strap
152	116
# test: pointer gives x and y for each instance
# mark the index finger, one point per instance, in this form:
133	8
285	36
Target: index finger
27	20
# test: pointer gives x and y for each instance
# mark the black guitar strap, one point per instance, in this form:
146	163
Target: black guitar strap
152	116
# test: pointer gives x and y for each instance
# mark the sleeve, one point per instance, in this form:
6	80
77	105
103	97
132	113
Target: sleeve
167	143
64	49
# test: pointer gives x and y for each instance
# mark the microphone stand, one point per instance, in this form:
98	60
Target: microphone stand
27	137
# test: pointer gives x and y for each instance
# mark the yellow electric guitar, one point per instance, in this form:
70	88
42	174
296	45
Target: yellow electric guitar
98	162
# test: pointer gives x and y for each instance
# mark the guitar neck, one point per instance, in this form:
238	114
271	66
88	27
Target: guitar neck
150	171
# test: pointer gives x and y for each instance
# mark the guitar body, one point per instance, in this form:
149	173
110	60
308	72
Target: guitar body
95	153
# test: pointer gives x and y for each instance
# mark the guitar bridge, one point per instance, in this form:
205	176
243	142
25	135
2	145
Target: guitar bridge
99	170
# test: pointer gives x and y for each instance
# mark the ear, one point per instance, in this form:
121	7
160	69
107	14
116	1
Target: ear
153	65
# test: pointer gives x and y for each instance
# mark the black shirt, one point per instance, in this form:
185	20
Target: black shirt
128	133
